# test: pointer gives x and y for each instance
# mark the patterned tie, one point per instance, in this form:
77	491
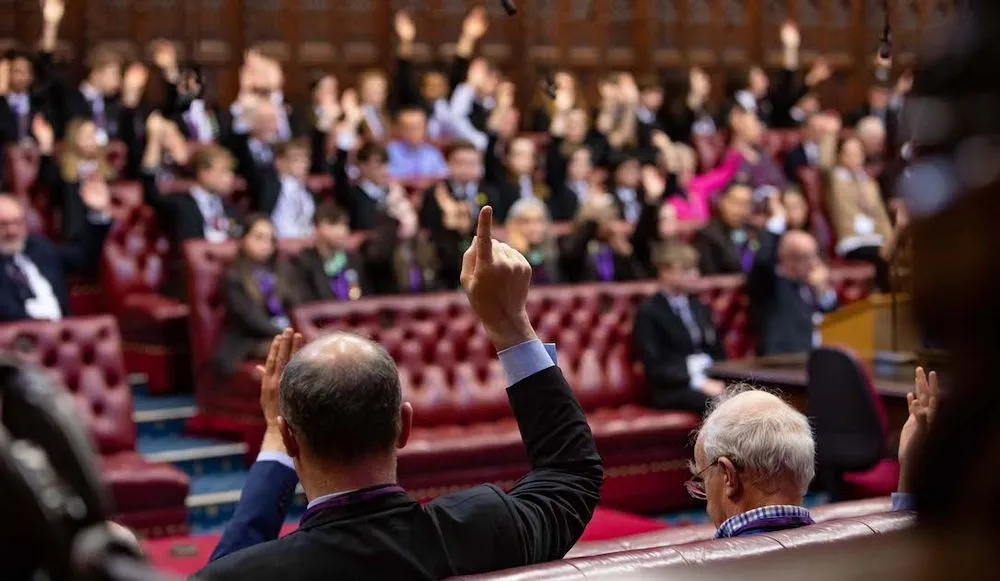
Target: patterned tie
16	274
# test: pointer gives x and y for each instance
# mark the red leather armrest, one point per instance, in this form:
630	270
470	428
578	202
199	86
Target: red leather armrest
154	307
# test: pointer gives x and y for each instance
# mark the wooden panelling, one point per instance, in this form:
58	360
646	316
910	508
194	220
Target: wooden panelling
590	37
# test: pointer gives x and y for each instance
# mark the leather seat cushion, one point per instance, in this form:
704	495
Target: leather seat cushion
138	485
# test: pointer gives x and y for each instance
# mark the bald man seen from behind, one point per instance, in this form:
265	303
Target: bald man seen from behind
788	286
337	422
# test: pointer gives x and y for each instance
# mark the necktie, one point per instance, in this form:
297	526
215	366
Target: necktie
604	263
683	310
16	274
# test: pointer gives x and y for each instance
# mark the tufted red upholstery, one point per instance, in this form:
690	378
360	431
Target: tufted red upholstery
84	354
154	327
704	532
659	562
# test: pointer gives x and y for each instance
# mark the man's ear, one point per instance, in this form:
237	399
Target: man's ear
405	424
288	438
730	478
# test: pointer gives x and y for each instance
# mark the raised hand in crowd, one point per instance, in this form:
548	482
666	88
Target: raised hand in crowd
164	56
96	195
923	403
52	16
4	76
406	32
819	73
155	127
455	215
133	84
474	27
496	279
327	103
819	278
791	40
904	84
283	347
654	185
44	135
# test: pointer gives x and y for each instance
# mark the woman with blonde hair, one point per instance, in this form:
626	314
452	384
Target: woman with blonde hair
82	164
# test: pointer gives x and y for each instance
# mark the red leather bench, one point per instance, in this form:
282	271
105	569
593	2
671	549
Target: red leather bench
661	562
84	354
706	532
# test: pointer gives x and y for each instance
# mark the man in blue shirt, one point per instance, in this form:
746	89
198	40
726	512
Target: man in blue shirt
338	421
410	156
753	461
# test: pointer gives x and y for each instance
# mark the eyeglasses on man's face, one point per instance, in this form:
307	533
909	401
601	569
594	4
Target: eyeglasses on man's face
695	485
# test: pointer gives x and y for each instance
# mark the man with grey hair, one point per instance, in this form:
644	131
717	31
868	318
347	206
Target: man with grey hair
336	419
753	461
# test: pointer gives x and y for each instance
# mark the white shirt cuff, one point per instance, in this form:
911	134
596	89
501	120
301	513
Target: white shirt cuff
279	457
828	299
525	359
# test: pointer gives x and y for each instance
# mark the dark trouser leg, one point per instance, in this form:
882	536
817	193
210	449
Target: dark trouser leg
681	399
871	255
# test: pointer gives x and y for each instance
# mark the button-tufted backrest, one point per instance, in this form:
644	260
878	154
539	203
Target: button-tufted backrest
85	355
205	263
134	256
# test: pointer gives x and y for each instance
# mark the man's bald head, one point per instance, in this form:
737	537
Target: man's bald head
762	435
341	396
13	225
798	254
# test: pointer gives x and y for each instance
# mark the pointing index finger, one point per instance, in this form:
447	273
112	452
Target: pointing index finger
484	235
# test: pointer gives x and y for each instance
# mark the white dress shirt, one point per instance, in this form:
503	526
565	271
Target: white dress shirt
214	214
293	213
199	122
43	305
97	107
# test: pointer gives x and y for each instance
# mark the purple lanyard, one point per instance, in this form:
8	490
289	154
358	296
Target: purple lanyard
356	497
604	261
539	274
416	279
746	257
339	286
269	291
773	523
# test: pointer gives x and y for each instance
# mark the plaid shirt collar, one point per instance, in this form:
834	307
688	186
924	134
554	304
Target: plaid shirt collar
765	518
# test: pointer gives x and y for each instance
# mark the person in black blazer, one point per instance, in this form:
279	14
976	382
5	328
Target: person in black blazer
278	189
449	208
788	285
33	269
528	232
598	249
330	270
513	175
184	100
674	336
342	422
95	98
729	242
256	297
22	99
203	212
807	153
398	256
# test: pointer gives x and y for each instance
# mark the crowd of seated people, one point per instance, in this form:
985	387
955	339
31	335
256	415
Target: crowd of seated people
589	197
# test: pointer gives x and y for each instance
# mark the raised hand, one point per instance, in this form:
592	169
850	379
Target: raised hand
922	402
476	24
53	11
406	30
628	89
96	195
653	184
660	140
351	107
4	76
505	96
819	73
819	277
565	97
134	83
164	55
283	347
44	134
790	37
496	279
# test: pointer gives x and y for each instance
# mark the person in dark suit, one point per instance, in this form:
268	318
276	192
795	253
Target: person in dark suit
691	114
256	297
330	270
203	212
728	243
278	189
787	286
674	336
398	256
95	98
22	100
449	208
342	421
33	269
513	175
528	232
184	100
807	153
599	248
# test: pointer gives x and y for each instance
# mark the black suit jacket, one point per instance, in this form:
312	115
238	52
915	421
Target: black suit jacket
794	161
472	531
362	209
310	281
781	315
577	265
716	251
448	244
663	344
53	262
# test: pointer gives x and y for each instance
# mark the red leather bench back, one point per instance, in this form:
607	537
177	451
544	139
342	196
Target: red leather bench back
657	563
85	355
134	257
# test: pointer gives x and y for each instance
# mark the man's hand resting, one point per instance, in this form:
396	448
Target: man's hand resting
496	279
